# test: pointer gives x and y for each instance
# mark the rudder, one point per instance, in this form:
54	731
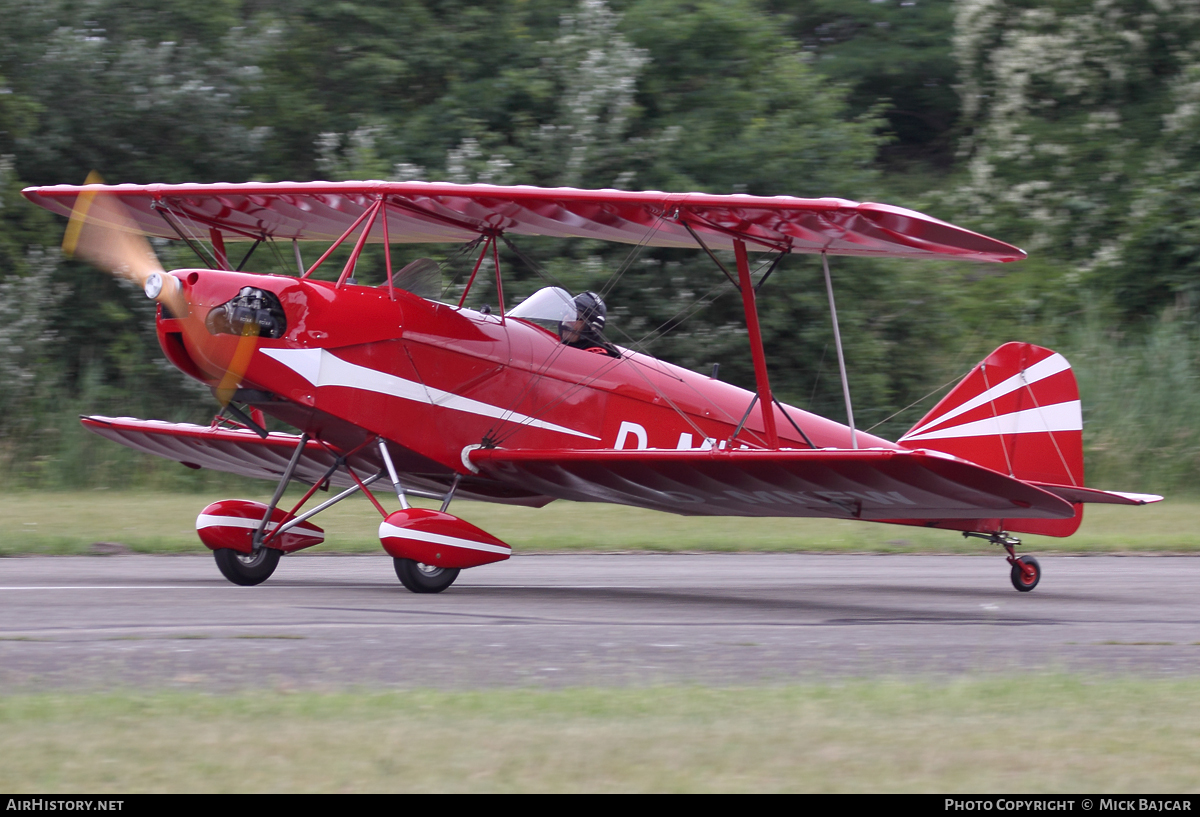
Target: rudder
1017	412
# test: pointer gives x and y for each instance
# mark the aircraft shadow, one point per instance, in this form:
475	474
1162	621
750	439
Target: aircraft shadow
687	607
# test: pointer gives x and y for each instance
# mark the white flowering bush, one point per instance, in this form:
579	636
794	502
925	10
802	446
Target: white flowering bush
1080	128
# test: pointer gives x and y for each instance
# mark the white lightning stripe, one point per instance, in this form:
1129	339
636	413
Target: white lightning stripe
386	530
1039	371
208	520
321	368
1058	417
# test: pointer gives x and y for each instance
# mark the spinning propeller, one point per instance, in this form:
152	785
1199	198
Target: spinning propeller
102	232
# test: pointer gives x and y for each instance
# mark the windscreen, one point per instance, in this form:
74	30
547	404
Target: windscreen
548	306
422	277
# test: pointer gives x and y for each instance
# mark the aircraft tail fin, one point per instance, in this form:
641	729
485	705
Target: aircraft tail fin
1017	412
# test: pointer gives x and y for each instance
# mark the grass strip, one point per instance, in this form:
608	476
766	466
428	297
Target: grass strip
1020	734
73	522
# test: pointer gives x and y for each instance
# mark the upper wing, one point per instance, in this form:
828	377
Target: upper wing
240	451
442	212
879	484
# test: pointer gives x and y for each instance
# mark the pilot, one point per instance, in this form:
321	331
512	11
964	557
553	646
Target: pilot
587	330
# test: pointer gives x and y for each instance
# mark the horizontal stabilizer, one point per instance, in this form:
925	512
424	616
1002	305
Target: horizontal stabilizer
861	484
1072	493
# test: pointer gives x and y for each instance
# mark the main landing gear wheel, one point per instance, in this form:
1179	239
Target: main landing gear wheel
247	569
422	578
1026	573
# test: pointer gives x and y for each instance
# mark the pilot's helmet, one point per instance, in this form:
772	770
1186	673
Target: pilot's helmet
591	310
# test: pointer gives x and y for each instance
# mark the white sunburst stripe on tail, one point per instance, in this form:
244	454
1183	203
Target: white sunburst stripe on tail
208	520
321	368
1057	417
386	530
1039	371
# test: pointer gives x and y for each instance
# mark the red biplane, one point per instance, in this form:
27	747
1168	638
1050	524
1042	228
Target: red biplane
507	405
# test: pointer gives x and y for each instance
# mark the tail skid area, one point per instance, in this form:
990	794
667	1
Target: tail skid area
1018	412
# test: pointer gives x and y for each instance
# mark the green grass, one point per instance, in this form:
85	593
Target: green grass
70	522
1026	734
1141	399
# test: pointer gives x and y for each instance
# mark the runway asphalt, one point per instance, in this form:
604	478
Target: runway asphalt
345	622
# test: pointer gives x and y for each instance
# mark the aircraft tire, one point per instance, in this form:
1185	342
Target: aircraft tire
422	578
247	570
1019	580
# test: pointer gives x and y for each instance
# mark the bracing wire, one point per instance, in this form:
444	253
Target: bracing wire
685	313
274	245
955	379
180	224
453	257
682	315
547	276
630	258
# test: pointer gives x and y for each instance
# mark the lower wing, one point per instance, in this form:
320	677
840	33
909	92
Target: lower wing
914	486
242	452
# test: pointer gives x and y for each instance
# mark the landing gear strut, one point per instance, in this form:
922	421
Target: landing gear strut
429	548
1026	572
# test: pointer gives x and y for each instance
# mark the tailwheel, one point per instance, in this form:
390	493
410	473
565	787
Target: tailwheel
247	569
422	578
1026	573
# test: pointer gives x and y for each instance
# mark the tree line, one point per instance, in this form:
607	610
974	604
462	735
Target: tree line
1068	127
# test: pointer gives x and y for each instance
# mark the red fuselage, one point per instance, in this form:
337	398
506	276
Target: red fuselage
435	379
